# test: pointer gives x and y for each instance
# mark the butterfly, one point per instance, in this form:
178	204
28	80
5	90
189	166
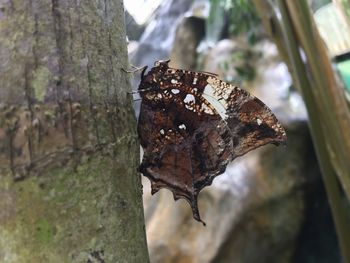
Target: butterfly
192	124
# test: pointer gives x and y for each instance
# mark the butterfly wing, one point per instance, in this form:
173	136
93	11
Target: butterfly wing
183	150
191	125
251	122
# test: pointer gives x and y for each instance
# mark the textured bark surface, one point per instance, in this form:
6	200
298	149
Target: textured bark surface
68	145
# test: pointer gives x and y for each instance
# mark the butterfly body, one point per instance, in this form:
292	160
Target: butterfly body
192	124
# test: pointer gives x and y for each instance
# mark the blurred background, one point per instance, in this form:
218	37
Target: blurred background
285	204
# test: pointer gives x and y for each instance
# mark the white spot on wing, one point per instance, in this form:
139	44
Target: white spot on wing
259	121
173	81
182	126
189	107
162	131
189	98
206	109
175	91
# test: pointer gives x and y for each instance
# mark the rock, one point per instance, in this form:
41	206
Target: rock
254	211
268	224
271	80
133	30
157	40
258	209
230	59
189	33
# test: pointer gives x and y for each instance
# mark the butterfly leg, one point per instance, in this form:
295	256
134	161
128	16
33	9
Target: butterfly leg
134	70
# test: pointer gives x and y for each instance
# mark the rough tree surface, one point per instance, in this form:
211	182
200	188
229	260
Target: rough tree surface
69	191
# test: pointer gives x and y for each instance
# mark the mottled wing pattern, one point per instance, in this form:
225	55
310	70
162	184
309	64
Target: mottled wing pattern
251	122
191	125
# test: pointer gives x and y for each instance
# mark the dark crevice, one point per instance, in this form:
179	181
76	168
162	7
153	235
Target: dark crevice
11	152
91	106
28	96
36	42
110	120
56	15
71	37
60	38
12	6
110	72
88	75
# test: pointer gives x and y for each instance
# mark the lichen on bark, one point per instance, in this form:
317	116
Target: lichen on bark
68	144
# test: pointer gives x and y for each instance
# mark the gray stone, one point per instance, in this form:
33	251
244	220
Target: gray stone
255	211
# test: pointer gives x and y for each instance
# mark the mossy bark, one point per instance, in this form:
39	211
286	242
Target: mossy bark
69	190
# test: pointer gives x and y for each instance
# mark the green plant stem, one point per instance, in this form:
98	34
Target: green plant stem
318	132
334	113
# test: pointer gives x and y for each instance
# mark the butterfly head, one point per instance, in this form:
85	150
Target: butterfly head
155	74
152	80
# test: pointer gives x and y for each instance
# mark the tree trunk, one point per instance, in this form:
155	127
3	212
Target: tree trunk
69	191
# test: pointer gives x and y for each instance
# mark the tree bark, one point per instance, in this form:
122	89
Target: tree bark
69	191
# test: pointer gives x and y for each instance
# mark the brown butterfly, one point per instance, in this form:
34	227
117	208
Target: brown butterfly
192	124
